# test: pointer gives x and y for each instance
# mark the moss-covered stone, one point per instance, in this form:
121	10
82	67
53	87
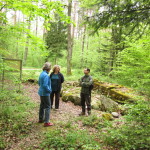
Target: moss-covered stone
95	104
114	91
117	93
77	100
67	97
108	105
107	116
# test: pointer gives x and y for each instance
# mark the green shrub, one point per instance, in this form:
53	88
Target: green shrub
133	68
134	134
70	139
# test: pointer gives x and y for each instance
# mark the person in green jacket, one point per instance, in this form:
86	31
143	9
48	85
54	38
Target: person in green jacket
86	83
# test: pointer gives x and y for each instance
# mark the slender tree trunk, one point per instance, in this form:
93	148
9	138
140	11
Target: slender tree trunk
27	45
15	18
17	44
74	19
44	31
116	40
36	28
112	51
87	46
69	47
17	48
83	43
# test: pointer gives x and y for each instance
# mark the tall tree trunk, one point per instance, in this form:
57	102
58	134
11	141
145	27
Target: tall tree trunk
87	47
83	43
74	19
15	18
15	21
17	48
27	44
116	47
44	31
70	44
36	28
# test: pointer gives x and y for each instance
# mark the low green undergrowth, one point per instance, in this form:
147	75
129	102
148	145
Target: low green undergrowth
70	139
95	122
134	133
14	112
30	74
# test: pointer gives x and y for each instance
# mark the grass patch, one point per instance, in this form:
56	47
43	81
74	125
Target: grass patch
95	122
30	74
70	139
14	111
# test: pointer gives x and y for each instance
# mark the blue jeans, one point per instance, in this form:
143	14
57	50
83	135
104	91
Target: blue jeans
45	106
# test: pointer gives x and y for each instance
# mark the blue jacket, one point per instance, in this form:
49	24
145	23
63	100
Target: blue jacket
45	84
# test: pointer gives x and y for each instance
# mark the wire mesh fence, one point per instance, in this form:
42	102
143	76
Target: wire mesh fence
11	73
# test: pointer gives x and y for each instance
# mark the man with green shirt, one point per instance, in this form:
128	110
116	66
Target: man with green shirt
86	83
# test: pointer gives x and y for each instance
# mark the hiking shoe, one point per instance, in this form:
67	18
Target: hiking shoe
48	124
40	121
82	114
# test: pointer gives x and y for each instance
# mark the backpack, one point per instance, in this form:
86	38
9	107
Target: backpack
91	87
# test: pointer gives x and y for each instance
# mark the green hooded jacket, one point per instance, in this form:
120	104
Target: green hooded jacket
85	82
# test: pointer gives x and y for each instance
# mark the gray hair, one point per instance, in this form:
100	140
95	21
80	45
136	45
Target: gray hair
47	66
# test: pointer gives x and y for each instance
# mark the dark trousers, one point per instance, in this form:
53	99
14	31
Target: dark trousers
57	96
86	99
45	106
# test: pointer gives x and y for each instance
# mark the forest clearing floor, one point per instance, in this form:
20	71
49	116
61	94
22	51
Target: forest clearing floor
68	112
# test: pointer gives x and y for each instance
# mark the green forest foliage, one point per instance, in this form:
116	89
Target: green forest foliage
56	39
119	52
13	38
133	64
115	12
13	42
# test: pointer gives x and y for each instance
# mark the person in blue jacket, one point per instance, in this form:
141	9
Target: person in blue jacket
44	93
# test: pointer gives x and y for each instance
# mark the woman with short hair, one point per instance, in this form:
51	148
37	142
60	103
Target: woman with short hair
44	93
57	79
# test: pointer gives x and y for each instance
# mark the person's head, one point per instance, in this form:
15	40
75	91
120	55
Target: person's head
86	71
56	69
47	67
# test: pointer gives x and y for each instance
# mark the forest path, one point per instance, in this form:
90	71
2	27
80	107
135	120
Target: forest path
67	112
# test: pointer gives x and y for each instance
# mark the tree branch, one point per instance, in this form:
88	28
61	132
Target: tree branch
2	7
